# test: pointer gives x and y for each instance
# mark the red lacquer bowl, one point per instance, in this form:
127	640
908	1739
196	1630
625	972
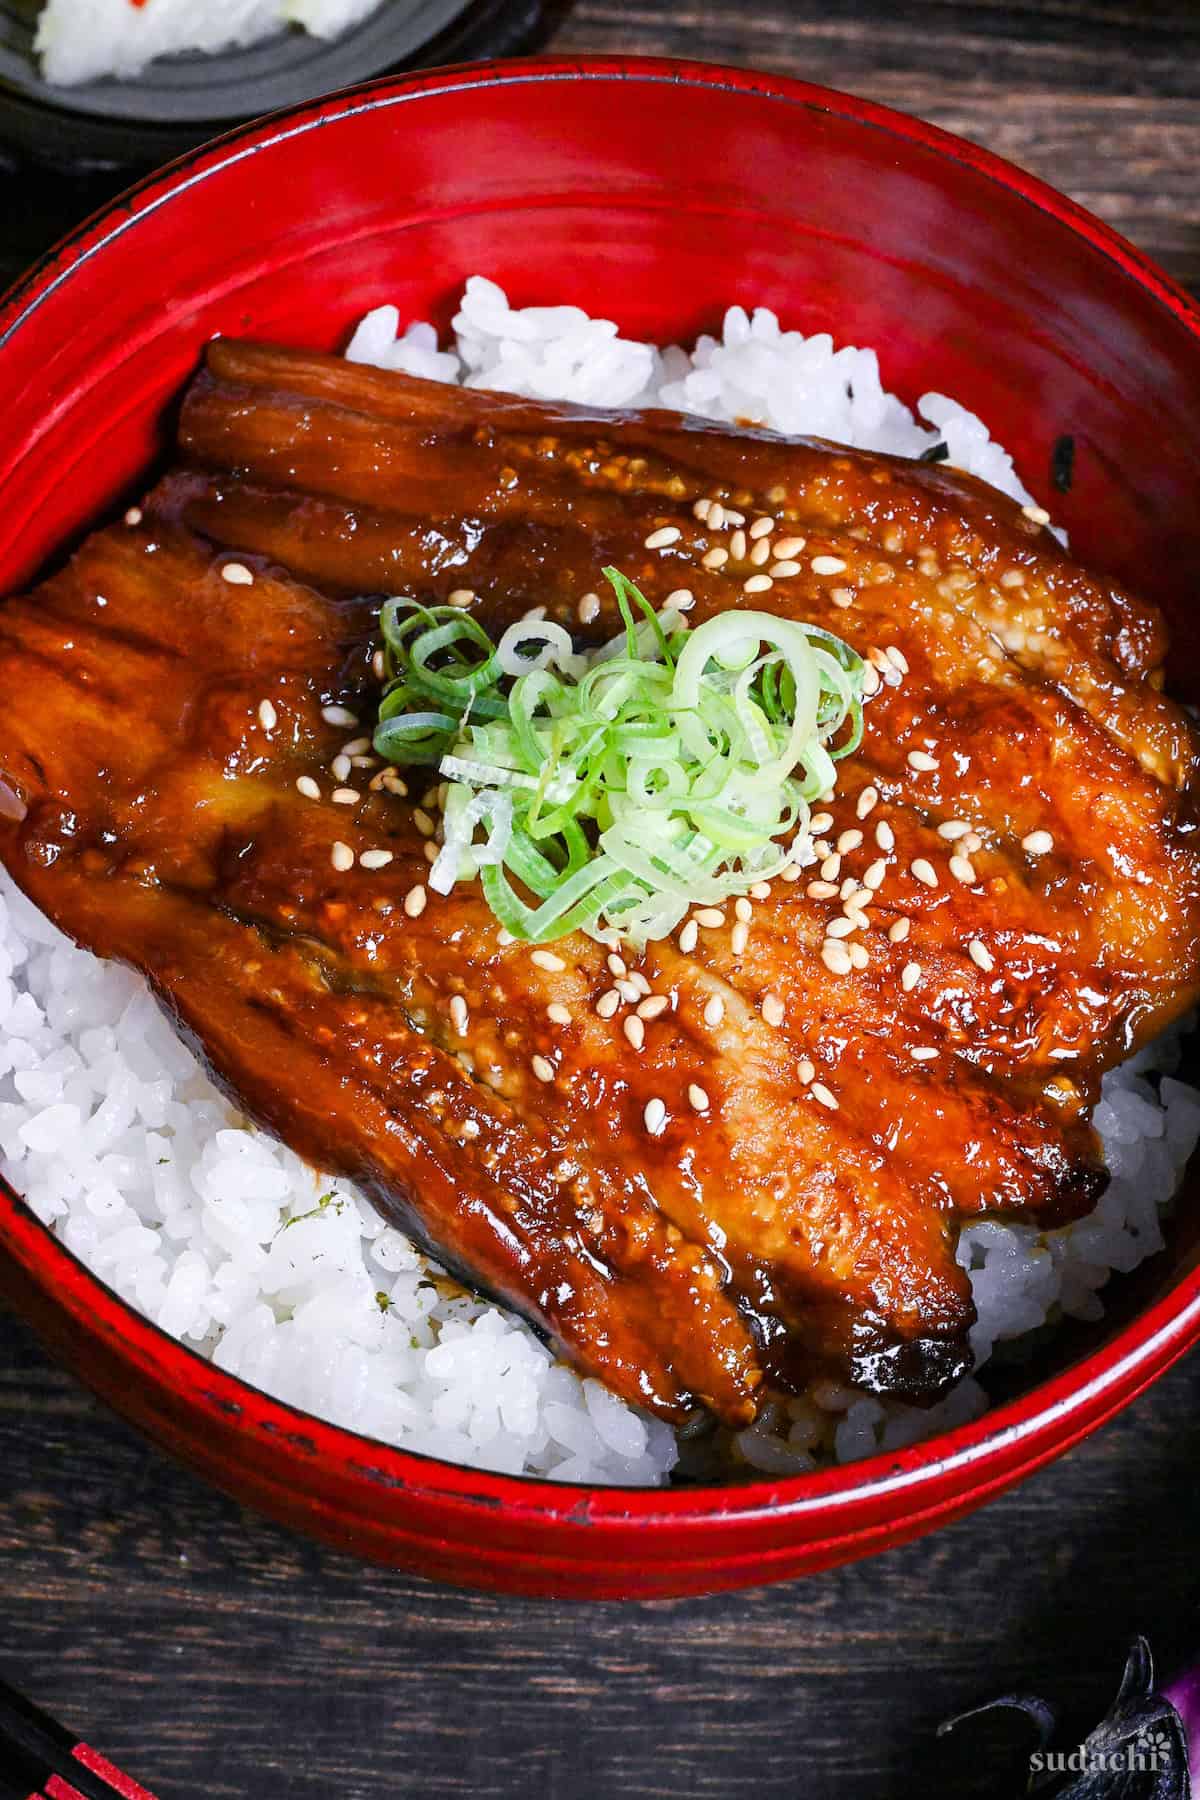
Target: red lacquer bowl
654	192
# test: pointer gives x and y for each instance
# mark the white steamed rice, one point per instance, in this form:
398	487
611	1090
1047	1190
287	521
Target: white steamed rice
290	1280
87	40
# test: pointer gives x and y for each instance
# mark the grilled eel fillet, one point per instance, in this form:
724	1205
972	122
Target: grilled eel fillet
806	1221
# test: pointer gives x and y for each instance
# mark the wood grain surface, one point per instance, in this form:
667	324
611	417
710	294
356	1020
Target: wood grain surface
214	1655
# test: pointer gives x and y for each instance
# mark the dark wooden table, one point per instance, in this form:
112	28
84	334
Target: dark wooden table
216	1655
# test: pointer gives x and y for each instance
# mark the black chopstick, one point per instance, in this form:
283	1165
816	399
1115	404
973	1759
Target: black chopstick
34	1749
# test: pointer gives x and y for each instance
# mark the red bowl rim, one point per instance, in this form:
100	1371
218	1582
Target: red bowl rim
1056	1410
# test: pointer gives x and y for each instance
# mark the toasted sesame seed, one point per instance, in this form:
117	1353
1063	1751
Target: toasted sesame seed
655	1117
710	917
925	1055
885	837
866	802
772	1009
394	784
714	1010
341	856
546	959
667	534
963	869
897	658
414	901
807	1071
682	599
1037	515
715	558
338	715
379	670
608	1003
700	508
981	956
910	974
616	964
737	546
458	1014
840	927
307	786
787	547
739	937
1038	843
871	682
652	1006
542	1067
820	822
899	929
697	1098
820	1092
341	766
375	859
431	852
875	874
134	516
921	761
237	574
849	840
345	796
423	821
758	584
827	565
924	871
588	609
835	957
462	597
558	1014
356	747
634	1030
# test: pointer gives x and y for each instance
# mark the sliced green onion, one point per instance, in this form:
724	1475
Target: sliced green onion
619	788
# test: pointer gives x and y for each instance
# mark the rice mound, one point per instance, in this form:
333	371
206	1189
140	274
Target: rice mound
288	1279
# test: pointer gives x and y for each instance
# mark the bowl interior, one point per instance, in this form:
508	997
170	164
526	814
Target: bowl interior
656	199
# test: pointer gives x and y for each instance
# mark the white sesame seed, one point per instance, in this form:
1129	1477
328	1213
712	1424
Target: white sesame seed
608	1003
307	786
345	796
533	615
716	515
682	599
739	937
840	927
462	597
742	908
926	1055
700	509
760	553
875	874
688	936
761	890
807	1071
341	856
504	938
1036	514
1038	843
787	547
820	822
652	1006
558	1014
546	959
340	767
952	830
910	974
866	802
1012	578
885	837
773	1009
899	929
379	670
981	956
543	1068
134	516
784	568
849	840
356	747
821	890
827	565
616	964
716	558
697	1098
820	1092
710	917
762	527
835	957
588	609
870	681
338	715
758	584
971	843
737	545
831	868
963	869
842	596
414	901
897	658
470	1128
237	574
921	761
667	534
924	871
714	1010
634	1030
655	1117
858	956
458	1014
375	859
